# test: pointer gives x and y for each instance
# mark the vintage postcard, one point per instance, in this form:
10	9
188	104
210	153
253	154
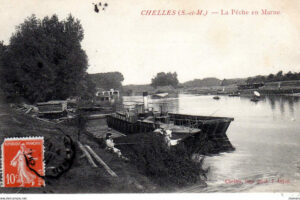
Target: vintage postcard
191	97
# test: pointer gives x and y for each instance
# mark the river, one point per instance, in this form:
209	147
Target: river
266	135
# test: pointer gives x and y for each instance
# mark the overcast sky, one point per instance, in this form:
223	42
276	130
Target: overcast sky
121	39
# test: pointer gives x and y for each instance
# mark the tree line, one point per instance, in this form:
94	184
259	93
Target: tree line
164	79
279	76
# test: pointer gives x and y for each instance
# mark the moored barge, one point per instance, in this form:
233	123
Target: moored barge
194	131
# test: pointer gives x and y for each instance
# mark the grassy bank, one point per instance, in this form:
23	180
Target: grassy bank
81	177
76	174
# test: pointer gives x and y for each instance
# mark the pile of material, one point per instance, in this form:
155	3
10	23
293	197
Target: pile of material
25	108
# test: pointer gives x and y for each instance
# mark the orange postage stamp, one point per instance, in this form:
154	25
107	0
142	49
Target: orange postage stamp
23	162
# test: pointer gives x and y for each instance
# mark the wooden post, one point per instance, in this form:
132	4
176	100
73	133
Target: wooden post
111	172
87	155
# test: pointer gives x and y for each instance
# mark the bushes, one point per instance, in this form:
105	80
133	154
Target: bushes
166	167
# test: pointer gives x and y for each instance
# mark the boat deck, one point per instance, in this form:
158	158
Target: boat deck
194	131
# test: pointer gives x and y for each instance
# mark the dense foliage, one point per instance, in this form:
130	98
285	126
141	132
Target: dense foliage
165	79
107	81
2	50
166	167
275	77
45	61
206	82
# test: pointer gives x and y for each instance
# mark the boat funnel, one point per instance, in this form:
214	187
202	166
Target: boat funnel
145	99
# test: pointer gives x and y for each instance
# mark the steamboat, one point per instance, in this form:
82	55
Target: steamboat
194	131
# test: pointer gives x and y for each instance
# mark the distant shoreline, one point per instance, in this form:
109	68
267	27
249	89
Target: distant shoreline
269	88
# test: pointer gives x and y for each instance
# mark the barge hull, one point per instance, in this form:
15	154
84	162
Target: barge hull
212	136
128	127
212	128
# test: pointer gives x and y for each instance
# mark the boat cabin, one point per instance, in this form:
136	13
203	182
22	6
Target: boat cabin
106	97
53	108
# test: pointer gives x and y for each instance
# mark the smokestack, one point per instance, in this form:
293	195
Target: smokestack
145	99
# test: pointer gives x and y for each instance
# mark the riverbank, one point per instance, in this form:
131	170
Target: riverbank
269	88
79	176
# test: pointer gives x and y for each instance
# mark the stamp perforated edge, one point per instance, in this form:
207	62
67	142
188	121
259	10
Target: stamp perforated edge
21	138
2	165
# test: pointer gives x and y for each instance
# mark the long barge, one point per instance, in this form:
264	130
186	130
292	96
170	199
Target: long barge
194	131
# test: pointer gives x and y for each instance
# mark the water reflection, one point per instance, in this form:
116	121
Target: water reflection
291	105
265	134
170	104
283	102
281	106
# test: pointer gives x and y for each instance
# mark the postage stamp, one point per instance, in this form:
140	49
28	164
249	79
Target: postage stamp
23	162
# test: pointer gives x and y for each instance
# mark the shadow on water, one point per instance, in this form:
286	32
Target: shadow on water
282	102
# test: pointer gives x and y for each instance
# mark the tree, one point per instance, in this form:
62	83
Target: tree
165	79
224	82
2	52
107	81
279	76
270	77
44	60
87	88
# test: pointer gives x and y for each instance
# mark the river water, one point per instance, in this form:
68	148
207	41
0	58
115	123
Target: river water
266	136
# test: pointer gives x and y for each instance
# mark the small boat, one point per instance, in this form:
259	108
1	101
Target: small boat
216	97
256	96
160	95
254	99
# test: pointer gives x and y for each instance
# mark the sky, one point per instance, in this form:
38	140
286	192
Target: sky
120	38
